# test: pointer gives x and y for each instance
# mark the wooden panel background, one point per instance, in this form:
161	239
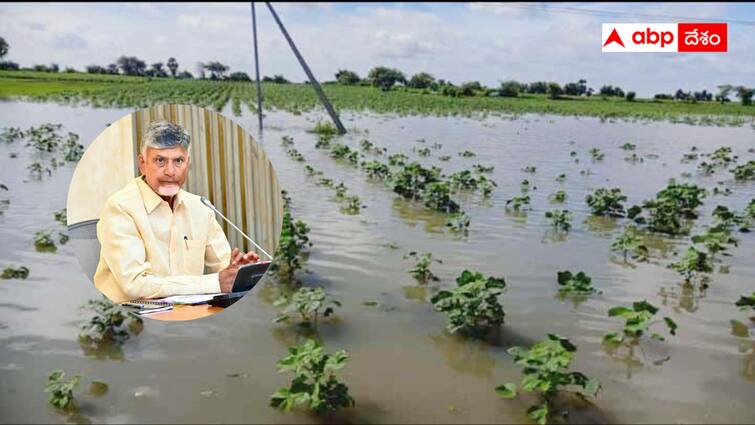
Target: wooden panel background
229	168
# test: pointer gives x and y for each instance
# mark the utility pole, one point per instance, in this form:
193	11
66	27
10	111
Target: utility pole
312	80
257	68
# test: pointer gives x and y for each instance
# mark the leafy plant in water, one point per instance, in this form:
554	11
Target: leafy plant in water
472	307
669	209
325	128
421	270
745	171
397	159
61	392
423	151
746	302
15	273
458	222
108	325
444	157
376	170
606	202
529	169
437	196
411	180
60	216
36	169
311	171
340	189
351	205
561	178
293	240
287	141
546	373
315	384
519	203
579	285
715	239
560	219
344	152
295	155
628	146
729	220
629	243
692	263
483	169
43	241
559	196
467	154
637	322
324	181
597	154
323	141
307	302
72	150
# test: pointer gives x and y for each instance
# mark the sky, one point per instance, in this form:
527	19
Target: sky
458	42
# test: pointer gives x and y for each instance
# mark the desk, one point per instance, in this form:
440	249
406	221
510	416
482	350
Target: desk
185	312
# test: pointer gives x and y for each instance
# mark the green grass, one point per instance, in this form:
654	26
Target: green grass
125	91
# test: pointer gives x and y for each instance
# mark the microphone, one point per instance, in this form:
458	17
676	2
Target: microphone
209	205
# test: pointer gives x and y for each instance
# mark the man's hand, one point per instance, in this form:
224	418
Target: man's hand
228	275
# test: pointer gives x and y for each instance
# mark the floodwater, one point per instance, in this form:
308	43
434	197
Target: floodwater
403	366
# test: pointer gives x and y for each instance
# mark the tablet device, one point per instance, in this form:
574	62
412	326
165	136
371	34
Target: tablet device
248	276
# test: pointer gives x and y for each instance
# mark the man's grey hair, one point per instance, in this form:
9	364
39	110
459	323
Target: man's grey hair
163	135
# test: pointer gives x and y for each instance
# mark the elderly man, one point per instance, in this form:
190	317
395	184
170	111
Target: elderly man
157	239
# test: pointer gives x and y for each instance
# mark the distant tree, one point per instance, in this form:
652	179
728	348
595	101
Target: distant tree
44	68
96	69
744	94
554	90
217	70
630	96
3	47
703	96
576	89
510	88
723	93
661	96
346	77
157	70
421	80
539	87
611	91
471	88
131	65
239	76
112	68
185	74
385	77
69	70
172	66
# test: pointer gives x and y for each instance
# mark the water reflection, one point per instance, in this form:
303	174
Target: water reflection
627	353
601	226
683	297
414	212
467	356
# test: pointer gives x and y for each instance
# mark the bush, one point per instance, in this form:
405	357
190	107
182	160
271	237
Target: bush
606	202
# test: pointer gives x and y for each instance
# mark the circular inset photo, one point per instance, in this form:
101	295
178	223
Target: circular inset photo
174	212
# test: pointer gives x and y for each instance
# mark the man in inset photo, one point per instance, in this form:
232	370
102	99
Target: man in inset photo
156	239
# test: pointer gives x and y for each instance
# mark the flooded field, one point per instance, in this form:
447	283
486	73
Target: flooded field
403	366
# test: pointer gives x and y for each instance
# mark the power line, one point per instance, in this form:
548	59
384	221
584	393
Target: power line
595	12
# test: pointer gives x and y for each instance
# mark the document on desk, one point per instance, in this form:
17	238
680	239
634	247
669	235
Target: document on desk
190	299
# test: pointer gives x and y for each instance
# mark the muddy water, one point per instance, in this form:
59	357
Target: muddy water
403	366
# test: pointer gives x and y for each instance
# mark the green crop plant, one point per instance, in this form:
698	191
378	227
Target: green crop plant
634	158
72	150
670	208
472	307
324	181
366	145
729	220
60	216
351	205
323	142
744	171
37	170
546	373
596	154
560	219
561	178
61	392
463	180
628	146
108	325
341	190
637	322
325	128
467	154
44	242
746	302
293	240
692	263
311	171
423	151
340	151
376	170
15	273
458	222
559	196
486	186
606	202
483	169
397	160
437	196
519	203
295	155
307	303
436	145
529	169
315	384
421	270
444	158
287	141
630	243
578	285
411	180
715	240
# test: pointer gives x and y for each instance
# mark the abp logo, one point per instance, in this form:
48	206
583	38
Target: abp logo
682	37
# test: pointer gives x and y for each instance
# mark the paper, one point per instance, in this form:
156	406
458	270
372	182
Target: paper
190	299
